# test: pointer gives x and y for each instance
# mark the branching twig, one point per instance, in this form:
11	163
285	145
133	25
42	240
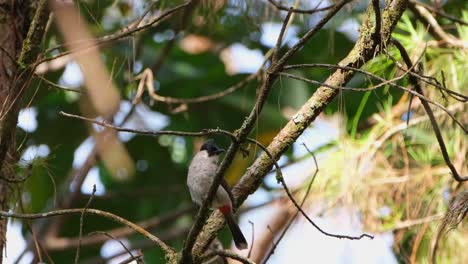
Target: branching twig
138	258
113	238
205	132
299	11
415	93
247	126
288	192
61	243
427	79
303	40
439	12
285	230
128	31
280	36
361	53
146	79
228	254
280	179
434	28
167	249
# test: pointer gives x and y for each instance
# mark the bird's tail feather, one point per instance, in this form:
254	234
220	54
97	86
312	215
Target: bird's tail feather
237	236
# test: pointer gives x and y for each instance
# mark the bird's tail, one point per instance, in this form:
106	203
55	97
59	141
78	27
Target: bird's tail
237	235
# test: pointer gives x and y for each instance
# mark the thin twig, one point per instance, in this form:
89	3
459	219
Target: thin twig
299	11
439	12
60	87
80	235
280	36
127	31
146	79
412	222
228	254
457	96
113	238
243	131
309	187
281	180
138	258
435	29
61	243
303	40
252	239
205	132
415	93
167	249
240	136
430	114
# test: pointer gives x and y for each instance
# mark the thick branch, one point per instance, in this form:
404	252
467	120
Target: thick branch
361	53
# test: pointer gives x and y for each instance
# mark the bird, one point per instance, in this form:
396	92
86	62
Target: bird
200	176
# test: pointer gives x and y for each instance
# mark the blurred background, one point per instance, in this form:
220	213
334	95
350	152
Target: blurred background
375	174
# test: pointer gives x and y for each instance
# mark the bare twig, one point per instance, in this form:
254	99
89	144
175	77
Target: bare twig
228	254
415	93
303	40
439	12
288	225
125	32
167	249
252	239
80	235
427	79
280	36
280	179
413	222
142	244
288	192
113	238
244	130
60	87
205	132
61	243
138	258
434	28
429	113
146	79
361	53
299	11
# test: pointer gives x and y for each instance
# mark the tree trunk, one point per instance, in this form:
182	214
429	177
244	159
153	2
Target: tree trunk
22	25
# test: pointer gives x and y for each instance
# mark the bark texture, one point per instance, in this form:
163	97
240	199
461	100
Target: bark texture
363	51
22	25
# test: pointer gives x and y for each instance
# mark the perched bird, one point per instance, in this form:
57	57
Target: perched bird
201	173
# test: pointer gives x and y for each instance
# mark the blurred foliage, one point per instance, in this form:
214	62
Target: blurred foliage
162	162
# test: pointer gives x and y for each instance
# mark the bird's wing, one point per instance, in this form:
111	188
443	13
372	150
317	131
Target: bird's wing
226	187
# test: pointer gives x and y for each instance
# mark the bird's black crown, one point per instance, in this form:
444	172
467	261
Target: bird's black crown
211	148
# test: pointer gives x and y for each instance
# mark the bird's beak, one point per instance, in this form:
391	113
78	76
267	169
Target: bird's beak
219	151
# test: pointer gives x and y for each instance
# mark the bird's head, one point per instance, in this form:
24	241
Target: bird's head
210	147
